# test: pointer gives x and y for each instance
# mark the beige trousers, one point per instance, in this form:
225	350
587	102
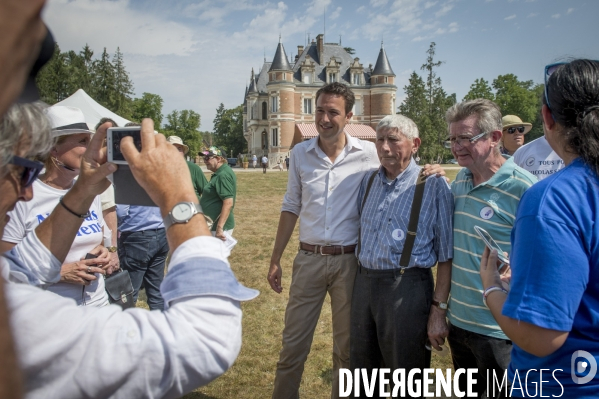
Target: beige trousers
313	276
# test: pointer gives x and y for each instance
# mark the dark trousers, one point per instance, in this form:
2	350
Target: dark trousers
472	350
143	254
389	317
264	166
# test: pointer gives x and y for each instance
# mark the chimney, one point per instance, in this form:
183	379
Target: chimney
320	47
300	50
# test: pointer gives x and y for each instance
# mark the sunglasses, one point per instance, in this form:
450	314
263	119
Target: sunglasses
549	69
512	130
31	170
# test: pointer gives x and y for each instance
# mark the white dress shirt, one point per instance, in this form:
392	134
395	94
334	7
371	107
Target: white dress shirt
323	193
68	351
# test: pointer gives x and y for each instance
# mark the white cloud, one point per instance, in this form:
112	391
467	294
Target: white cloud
361	9
429	4
378	3
336	13
440	31
113	24
488	1
555	16
510	17
444	10
570	10
453	27
419	38
532	15
401	16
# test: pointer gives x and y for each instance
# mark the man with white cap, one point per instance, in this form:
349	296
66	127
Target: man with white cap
197	176
513	133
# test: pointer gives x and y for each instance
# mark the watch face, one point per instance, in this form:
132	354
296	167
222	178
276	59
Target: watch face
443	306
182	212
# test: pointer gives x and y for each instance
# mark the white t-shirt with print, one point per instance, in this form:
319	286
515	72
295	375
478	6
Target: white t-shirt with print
28	215
538	158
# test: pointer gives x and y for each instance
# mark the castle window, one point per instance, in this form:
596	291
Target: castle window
264	110
307	78
307	105
357	110
386	79
332	77
274	104
274	139
356	80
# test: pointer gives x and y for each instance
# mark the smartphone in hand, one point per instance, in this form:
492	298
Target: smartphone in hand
492	244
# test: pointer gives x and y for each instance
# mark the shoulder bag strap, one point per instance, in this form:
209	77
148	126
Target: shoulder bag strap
406	254
372	176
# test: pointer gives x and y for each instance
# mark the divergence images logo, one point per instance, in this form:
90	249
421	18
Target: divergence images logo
582	366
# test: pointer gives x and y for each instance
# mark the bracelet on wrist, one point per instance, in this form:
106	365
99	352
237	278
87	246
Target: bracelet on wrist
80	216
493	288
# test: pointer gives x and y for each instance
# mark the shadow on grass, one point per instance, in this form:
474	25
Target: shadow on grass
198	395
326	376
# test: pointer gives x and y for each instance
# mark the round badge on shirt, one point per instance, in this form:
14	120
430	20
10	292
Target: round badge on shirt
398	234
530	161
487	213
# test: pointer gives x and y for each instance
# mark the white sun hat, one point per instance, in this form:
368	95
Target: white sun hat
66	120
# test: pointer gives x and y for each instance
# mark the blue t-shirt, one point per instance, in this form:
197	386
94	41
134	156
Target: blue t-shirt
555	279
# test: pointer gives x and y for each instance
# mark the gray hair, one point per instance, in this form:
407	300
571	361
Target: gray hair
403	124
487	112
24	122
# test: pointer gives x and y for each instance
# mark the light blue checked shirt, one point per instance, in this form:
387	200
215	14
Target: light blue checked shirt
384	220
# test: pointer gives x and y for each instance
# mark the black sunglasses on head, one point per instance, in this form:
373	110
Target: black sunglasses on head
512	130
31	170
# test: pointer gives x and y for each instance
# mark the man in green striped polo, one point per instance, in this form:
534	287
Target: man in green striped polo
487	192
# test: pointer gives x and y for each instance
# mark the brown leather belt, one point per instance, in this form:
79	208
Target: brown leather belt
328	249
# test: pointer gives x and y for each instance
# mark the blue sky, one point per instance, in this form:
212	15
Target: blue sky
197	54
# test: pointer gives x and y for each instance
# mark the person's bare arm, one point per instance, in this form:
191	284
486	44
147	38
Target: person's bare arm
533	339
6	246
437	324
224	215
110	220
287	223
159	168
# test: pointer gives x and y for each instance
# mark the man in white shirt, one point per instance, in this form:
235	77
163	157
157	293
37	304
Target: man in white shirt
264	162
538	158
68	351
324	178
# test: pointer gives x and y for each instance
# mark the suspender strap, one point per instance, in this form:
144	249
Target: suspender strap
408	246
372	176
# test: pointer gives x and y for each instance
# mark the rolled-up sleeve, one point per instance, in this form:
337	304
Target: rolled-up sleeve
444	226
292	202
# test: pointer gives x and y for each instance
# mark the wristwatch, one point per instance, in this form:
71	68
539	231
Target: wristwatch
111	249
440	305
182	213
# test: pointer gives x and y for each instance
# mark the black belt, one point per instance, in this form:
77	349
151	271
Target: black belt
328	249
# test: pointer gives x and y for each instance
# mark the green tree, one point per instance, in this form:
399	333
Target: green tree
123	87
185	124
480	89
104	80
350	50
148	106
53	79
228	129
516	97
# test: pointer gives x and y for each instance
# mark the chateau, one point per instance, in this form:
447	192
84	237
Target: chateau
279	104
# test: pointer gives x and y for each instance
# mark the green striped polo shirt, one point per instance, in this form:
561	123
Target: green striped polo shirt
491	205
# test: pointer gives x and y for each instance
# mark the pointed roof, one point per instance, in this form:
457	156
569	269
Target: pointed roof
245	97
382	66
253	88
280	61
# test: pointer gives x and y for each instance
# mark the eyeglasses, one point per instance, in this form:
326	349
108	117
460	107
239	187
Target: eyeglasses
512	130
31	170
462	141
549	69
207	158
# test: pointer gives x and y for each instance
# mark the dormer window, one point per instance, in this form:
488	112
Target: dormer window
332	77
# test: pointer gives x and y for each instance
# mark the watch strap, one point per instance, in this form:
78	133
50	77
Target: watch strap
169	220
440	305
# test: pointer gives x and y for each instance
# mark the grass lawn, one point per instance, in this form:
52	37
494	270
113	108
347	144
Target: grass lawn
257	212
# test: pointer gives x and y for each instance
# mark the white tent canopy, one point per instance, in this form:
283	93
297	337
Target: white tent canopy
92	111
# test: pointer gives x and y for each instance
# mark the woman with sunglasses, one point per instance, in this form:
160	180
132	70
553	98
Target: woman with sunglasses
513	134
551	309
80	279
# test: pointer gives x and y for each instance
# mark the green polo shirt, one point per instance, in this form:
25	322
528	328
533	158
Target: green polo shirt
197	178
222	185
491	205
